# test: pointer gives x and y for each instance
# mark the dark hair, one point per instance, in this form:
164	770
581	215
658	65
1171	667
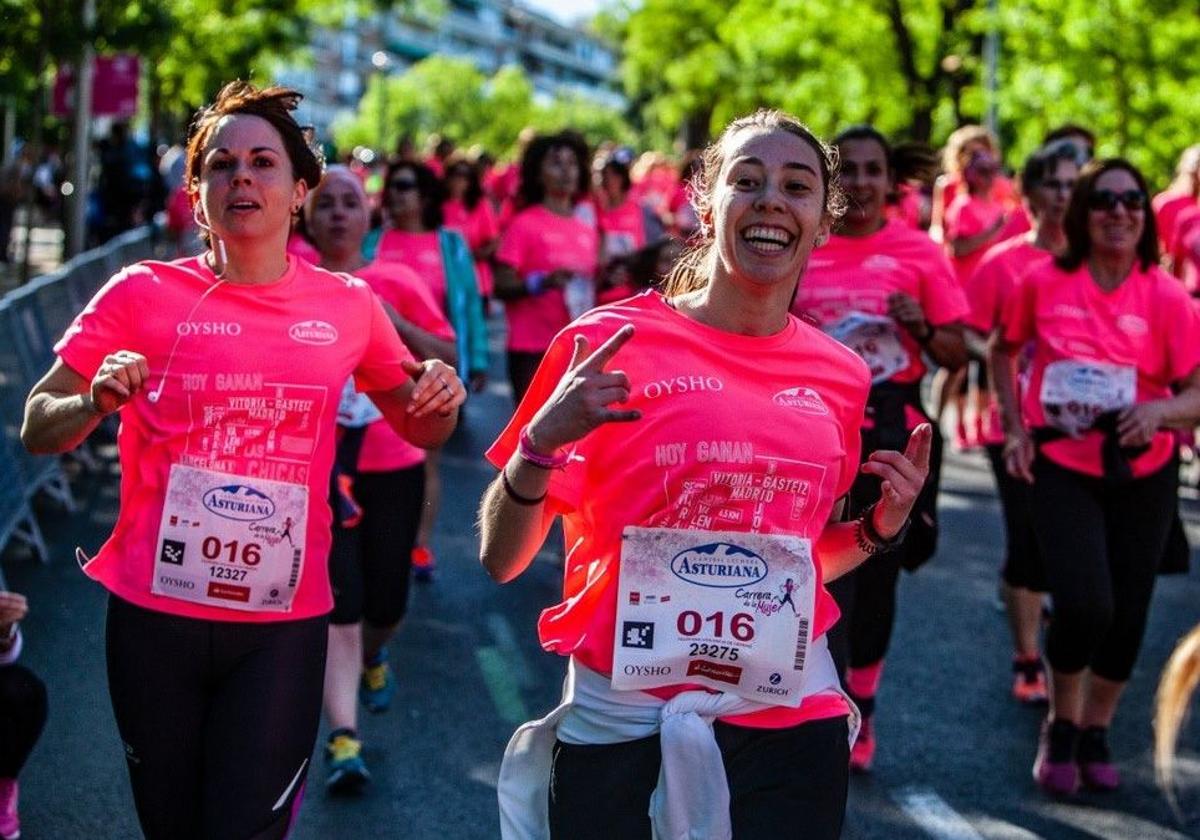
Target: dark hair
274	104
429	188
531	191
1079	242
474	193
905	161
621	170
692	270
1043	162
1068	130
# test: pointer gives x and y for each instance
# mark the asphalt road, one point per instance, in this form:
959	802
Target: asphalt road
954	754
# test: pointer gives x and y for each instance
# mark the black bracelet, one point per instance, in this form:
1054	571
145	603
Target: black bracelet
525	501
869	540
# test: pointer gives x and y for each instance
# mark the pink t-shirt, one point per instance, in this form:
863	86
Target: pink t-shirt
718	430
851	276
479	227
969	216
1167	206
298	246
383	450
250	379
906	209
988	290
420	252
1147	324
623	228
1186	254
540	240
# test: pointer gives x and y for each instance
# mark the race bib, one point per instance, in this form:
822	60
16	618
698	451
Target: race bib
355	409
730	611
876	340
1075	393
231	541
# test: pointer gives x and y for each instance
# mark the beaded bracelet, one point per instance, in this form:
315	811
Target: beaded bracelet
531	456
524	501
869	540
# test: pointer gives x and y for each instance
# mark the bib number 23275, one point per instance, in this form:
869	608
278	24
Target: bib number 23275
231	541
731	611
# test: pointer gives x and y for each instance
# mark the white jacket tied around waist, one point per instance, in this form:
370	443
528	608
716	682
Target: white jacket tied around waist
691	801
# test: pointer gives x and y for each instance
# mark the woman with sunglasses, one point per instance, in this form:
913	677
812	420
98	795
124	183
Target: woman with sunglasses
226	370
887	292
1111	335
413	199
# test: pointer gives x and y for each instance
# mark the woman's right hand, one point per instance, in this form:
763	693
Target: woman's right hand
121	375
581	400
13	608
1018	455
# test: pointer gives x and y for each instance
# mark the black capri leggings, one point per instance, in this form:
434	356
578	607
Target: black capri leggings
1023	567
369	564
1101	542
218	719
22	716
783	783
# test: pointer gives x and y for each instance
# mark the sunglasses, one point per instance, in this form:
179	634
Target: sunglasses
402	185
1107	200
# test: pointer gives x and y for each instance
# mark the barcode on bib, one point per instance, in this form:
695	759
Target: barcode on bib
801	645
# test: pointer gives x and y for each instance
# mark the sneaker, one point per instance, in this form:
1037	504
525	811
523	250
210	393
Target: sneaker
1055	769
1029	681
347	771
862	754
1095	761
10	824
423	563
378	684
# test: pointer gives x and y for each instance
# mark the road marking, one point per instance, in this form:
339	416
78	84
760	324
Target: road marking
933	814
994	828
1106	824
506	641
502	685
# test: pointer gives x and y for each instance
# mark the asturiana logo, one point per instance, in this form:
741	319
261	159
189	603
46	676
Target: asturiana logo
313	332
805	399
721	565
239	502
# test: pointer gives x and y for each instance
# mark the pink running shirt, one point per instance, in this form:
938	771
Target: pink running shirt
1186	255
623	228
1167	206
255	374
478	227
969	216
383	450
420	252
857	274
716	449
1148	323
540	240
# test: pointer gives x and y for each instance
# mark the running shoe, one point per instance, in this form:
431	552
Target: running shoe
423	564
1055	769
1029	681
378	684
10	824
862	754
1095	761
347	771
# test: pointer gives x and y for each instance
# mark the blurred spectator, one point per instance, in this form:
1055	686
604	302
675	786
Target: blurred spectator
14	180
124	184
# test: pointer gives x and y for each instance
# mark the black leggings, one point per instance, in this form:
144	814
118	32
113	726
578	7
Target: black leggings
22	716
369	564
1023	566
1101	542
782	783
218	719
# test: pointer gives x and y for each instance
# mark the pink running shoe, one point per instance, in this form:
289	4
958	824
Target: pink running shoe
862	754
10	824
1095	761
1055	769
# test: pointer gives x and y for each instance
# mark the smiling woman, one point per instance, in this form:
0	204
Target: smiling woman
225	369
736	429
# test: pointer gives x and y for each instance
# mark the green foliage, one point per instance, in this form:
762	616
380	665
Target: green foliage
451	97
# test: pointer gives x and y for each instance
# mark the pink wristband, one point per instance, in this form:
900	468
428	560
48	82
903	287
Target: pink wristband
547	462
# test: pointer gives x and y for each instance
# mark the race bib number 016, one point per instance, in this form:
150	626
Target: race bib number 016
231	541
1075	393
730	611
876	340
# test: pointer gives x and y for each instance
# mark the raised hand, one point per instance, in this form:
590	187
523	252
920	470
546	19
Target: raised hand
902	476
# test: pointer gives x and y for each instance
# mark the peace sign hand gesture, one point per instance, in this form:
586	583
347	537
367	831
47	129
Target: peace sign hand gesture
580	402
902	477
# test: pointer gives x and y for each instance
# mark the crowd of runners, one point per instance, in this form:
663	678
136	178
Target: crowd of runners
773	333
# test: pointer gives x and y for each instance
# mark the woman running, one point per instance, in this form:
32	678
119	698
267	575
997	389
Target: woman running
469	212
547	259
371	557
1111	333
226	369
887	292
698	446
1046	183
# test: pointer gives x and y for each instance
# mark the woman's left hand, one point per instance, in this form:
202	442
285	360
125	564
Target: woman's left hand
907	312
902	477
1138	424
438	389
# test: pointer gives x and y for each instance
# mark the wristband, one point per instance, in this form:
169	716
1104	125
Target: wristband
524	501
535	282
546	462
869	540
